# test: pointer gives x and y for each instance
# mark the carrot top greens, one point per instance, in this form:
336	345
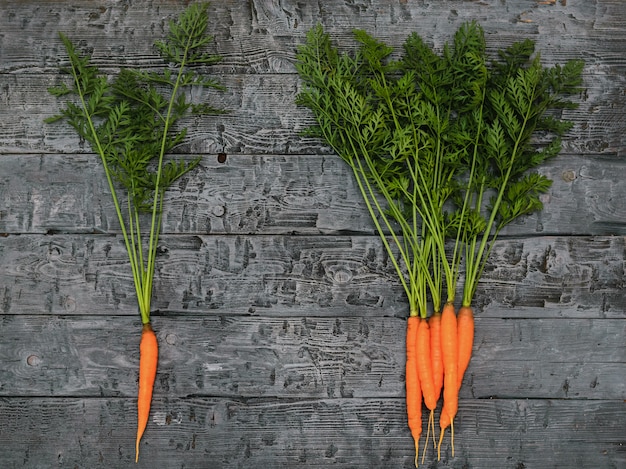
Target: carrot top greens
130	122
440	144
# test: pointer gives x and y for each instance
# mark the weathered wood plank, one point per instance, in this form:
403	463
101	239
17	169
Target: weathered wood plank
284	350
300	275
246	194
261	37
304	194
90	275
560	273
297	357
346	433
264	118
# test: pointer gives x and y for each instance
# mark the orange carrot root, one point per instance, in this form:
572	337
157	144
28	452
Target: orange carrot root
149	353
435	352
424	365
413	388
465	328
425	373
449	349
450	353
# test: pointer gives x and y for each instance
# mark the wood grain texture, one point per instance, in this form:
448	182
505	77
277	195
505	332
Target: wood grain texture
279	316
261	36
306	275
295	357
258	40
264	118
265	194
225	433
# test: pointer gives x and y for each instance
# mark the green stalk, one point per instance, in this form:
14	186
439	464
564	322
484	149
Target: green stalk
429	218
368	196
416	268
130	108
373	206
368	193
92	129
478	258
421	273
149	274
135	241
371	200
158	194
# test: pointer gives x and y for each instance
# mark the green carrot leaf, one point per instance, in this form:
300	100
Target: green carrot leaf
132	123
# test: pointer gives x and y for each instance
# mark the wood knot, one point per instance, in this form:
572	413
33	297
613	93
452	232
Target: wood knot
342	276
568	176
218	210
33	360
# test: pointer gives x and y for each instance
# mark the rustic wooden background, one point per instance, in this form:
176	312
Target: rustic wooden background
280	320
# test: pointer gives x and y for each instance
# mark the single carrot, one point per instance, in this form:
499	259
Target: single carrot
424	364
435	352
425	373
465	331
450	353
449	347
148	353
413	388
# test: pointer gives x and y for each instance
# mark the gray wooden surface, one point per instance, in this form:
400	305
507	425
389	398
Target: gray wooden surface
280	320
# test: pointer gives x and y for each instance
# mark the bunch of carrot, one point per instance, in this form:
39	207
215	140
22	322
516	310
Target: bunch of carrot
438	352
441	147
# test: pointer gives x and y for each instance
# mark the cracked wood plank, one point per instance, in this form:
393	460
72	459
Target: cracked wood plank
286	275
342	433
301	358
263	194
258	40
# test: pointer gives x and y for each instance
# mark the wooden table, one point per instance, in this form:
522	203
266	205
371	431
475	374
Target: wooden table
280	318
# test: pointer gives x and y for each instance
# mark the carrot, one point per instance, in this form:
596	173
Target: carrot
425	372
450	352
424	365
413	388
465	331
149	353
132	131
435	352
449	347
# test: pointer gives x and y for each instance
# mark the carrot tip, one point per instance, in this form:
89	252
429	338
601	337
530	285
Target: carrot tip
439	446
452	436
433	428
431	424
